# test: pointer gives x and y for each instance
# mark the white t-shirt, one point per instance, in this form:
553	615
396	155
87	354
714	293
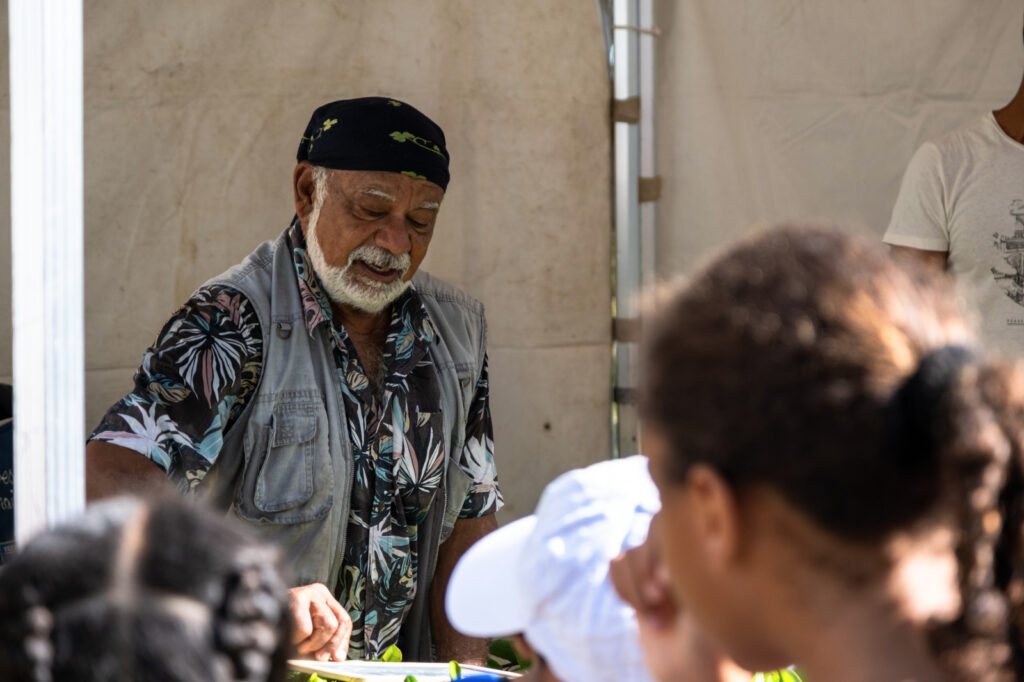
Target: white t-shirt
964	194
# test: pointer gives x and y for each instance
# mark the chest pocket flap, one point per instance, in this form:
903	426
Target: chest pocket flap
288	477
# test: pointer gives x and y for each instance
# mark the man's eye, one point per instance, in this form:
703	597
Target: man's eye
374	214
419	224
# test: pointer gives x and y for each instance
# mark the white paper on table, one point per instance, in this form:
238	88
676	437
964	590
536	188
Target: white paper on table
380	671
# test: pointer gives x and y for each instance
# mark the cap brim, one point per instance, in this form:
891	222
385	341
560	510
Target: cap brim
485	594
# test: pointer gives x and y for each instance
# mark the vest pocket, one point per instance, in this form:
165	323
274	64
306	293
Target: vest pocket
288	477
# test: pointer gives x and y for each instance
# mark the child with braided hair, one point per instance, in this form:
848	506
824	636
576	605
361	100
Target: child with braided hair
136	590
839	466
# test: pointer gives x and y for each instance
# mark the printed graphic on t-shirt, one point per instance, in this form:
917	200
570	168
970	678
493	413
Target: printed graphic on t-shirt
1011	248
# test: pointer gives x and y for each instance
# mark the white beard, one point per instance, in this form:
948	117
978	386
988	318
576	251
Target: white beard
344	286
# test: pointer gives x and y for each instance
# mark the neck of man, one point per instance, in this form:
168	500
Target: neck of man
1011	117
368	333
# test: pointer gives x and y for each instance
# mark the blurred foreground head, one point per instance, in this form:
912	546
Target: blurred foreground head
818	416
144	591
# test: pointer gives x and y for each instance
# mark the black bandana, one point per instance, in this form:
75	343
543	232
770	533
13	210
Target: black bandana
378	134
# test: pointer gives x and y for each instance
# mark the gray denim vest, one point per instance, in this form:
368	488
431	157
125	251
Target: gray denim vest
285	467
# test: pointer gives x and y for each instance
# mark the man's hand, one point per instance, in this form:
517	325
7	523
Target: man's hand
321	626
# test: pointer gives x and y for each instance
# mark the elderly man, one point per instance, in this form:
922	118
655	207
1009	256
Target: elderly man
332	397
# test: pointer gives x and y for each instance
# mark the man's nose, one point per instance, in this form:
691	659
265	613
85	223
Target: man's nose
393	235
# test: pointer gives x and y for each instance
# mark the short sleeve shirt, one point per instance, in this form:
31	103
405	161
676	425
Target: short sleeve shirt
964	194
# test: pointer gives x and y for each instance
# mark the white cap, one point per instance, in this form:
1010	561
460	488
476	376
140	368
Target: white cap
546	576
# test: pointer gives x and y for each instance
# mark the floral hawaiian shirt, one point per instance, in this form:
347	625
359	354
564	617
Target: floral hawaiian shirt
204	367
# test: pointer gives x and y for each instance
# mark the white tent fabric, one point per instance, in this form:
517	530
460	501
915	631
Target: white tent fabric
773	110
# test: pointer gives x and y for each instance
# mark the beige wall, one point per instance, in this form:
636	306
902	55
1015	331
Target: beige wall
5	204
773	110
193	112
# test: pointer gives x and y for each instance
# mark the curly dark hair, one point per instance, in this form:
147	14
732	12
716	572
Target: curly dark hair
813	363
139	590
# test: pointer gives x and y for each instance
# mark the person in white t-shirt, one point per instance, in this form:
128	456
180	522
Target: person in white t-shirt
961	207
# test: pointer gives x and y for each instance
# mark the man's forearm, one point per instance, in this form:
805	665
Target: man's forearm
449	643
935	260
113	470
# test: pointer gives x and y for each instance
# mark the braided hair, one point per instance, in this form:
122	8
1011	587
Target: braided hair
812	363
139	590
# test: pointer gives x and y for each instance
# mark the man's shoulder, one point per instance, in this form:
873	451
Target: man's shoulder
971	136
957	153
458	319
432	289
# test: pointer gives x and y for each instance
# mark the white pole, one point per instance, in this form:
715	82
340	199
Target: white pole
46	259
626	74
648	144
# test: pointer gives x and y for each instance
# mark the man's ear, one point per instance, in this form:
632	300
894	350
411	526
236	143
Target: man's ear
717	518
304	187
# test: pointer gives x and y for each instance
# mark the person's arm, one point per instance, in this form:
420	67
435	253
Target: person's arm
934	260
190	383
919	228
450	644
476	519
111	470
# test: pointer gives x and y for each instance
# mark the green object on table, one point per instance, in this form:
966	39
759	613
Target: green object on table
502	655
778	676
454	670
391	655
298	676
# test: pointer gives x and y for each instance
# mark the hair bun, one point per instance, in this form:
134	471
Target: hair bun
917	402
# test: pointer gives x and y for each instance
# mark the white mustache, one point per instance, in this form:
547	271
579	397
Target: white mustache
380	258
